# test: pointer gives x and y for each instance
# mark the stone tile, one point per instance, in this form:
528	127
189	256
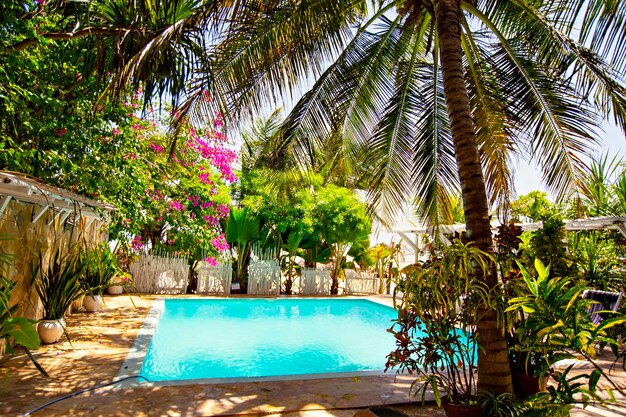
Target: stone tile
98	348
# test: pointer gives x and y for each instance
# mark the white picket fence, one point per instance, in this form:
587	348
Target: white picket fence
214	279
264	277
360	282
314	281
166	274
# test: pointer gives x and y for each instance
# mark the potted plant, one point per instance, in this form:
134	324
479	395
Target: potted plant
434	337
58	286
558	324
120	281
100	268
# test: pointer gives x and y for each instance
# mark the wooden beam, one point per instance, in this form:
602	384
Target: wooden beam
40	213
408	240
5	202
56	216
65	216
620	226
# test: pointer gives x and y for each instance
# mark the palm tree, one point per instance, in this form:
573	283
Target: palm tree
431	94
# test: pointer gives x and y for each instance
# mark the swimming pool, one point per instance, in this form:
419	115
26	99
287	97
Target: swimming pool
248	338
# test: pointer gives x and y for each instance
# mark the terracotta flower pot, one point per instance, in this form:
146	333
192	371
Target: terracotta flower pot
92	303
50	331
526	385
77	304
462	410
115	289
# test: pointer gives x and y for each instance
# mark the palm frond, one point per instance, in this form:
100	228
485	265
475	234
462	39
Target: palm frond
491	119
557	123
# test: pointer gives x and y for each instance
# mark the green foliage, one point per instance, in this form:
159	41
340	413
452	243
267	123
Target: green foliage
601	192
319	223
384	256
58	285
436	318
19	330
534	206
503	405
342	220
507	242
100	267
594	257
340	215
242	230
557	324
548	244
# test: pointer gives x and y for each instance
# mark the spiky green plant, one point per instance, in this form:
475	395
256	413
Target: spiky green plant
58	285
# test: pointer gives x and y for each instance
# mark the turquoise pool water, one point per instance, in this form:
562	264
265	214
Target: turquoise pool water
267	337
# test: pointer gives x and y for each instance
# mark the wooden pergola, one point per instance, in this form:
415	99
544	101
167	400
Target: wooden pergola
20	187
412	236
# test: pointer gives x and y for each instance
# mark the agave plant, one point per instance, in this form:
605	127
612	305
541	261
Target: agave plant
58	285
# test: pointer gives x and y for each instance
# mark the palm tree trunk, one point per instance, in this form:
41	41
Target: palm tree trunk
494	373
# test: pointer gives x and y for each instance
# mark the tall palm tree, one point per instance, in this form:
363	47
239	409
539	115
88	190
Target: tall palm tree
436	95
418	87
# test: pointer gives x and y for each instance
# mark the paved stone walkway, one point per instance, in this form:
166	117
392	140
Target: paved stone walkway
100	342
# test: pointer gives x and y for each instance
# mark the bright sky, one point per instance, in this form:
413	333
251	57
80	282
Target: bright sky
527	177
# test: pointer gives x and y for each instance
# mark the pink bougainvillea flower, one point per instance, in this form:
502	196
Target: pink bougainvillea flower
210	261
223	210
136	243
176	205
211	220
156	147
220	243
115	131
204	178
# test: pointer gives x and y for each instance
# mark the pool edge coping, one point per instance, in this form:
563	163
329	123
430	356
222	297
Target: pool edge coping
128	375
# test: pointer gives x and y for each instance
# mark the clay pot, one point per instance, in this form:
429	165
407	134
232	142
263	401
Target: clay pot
115	289
77	304
462	410
526	385
50	331
92	303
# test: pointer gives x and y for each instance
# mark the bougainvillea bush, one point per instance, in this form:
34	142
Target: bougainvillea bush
178	196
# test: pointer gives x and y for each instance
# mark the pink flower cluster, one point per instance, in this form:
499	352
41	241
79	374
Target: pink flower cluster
136	243
211	261
211	220
220	243
221	158
156	148
194	200
176	205
223	210
204	178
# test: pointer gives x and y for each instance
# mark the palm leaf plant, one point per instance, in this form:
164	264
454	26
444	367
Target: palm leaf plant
19	330
242	230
